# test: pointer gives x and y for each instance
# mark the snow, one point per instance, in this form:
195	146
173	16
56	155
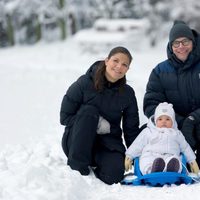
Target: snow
32	164
119	24
106	33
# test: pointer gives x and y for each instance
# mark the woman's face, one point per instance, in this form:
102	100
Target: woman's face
116	67
182	47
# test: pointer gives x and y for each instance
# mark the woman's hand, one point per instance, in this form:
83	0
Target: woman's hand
103	126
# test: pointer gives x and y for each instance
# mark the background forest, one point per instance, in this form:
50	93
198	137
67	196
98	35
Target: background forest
30	21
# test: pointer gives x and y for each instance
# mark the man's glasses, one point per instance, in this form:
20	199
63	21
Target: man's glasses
184	42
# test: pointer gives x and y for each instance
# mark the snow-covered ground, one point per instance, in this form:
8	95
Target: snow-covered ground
32	164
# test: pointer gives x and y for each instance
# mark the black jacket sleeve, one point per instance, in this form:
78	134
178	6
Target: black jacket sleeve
130	121
71	103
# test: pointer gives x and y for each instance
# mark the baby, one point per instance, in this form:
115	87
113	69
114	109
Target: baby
160	144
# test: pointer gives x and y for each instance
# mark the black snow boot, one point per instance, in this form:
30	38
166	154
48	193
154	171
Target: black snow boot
158	165
173	165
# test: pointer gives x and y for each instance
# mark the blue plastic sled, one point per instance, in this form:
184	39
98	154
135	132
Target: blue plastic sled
158	179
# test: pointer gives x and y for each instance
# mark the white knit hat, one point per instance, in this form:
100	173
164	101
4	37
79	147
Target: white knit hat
164	109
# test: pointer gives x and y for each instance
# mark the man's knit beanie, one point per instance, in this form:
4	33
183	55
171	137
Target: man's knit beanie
180	29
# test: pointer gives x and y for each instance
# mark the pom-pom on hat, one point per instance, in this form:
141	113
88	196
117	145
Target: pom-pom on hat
164	109
180	29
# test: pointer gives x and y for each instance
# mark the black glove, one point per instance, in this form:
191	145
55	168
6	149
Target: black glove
196	116
197	132
188	131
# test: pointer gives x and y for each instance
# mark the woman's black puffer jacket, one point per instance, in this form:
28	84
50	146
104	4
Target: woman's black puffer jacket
113	105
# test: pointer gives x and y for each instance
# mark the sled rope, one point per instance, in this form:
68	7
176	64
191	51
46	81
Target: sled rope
197	179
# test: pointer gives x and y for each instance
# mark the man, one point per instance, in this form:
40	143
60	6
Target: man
177	81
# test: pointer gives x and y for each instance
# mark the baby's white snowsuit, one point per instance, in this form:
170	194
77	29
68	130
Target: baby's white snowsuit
154	142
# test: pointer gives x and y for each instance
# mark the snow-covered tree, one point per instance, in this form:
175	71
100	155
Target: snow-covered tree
188	11
28	21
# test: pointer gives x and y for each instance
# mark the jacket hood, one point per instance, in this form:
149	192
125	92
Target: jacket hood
93	68
193	57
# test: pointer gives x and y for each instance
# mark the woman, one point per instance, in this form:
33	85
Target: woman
92	111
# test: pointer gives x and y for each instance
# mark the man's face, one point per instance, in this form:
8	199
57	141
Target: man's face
182	47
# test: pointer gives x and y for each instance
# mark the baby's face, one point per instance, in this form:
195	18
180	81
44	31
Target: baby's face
164	121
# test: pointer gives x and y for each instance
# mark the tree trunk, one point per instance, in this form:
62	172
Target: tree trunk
61	21
62	26
38	31
10	31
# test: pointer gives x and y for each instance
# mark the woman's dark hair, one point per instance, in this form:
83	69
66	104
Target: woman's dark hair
120	50
99	78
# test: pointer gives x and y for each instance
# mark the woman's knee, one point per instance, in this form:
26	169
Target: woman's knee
88	110
87	117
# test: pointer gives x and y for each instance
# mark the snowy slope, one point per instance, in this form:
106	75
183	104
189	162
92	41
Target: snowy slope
32	164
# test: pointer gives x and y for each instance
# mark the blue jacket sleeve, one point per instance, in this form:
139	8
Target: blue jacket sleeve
154	94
